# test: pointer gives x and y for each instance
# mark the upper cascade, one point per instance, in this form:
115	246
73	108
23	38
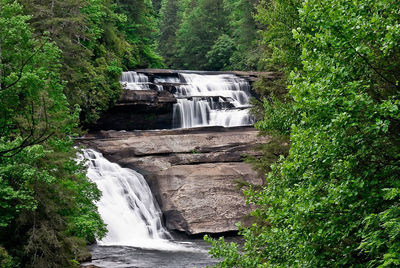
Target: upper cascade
135	81
202	99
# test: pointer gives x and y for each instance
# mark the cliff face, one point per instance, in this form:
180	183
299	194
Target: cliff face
193	173
139	109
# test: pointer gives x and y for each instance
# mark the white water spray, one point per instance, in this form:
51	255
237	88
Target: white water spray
135	81
202	99
128	207
223	85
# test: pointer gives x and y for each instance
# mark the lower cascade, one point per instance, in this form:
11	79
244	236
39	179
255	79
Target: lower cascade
127	206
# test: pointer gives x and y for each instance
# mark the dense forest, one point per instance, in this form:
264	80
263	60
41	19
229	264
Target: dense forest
332	200
209	34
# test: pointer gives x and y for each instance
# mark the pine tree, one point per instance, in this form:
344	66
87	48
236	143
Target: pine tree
202	23
169	25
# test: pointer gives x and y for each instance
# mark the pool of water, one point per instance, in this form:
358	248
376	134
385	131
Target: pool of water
191	254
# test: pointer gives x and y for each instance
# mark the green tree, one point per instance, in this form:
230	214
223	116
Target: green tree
98	38
279	18
212	35
140	32
157	5
279	52
244	30
47	210
334	200
85	31
220	53
168	27
203	22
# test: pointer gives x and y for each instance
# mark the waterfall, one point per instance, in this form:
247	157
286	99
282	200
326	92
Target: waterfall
127	206
223	85
202	99
135	81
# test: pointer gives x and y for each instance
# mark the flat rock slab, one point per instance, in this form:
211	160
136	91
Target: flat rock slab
193	173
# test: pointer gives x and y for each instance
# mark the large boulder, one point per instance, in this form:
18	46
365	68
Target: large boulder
193	173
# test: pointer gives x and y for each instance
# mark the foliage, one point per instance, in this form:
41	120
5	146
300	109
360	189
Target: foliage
281	53
60	64
139	30
202	22
75	27
98	38
46	203
5	259
168	27
247	53
334	200
205	34
220	53
279	18
156	5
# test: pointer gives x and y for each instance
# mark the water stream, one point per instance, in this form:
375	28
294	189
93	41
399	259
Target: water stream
136	236
135	81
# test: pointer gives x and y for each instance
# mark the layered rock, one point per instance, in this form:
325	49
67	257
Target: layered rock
193	173
139	109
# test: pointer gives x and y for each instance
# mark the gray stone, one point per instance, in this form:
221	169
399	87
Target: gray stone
193	173
139	109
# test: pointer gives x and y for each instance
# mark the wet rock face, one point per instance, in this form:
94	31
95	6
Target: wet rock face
203	198
139	109
192	173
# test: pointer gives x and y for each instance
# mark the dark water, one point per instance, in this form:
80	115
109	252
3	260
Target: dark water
122	257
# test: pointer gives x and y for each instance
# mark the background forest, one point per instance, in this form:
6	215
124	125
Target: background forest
333	200
209	34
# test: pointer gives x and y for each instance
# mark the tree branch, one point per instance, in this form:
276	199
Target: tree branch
22	146
22	67
373	68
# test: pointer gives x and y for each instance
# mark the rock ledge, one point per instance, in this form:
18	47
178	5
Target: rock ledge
193	173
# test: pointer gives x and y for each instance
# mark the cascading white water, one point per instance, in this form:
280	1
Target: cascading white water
223	85
135	81
196	106
127	206
202	99
190	113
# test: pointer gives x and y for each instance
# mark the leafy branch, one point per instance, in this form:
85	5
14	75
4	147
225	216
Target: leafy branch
21	69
